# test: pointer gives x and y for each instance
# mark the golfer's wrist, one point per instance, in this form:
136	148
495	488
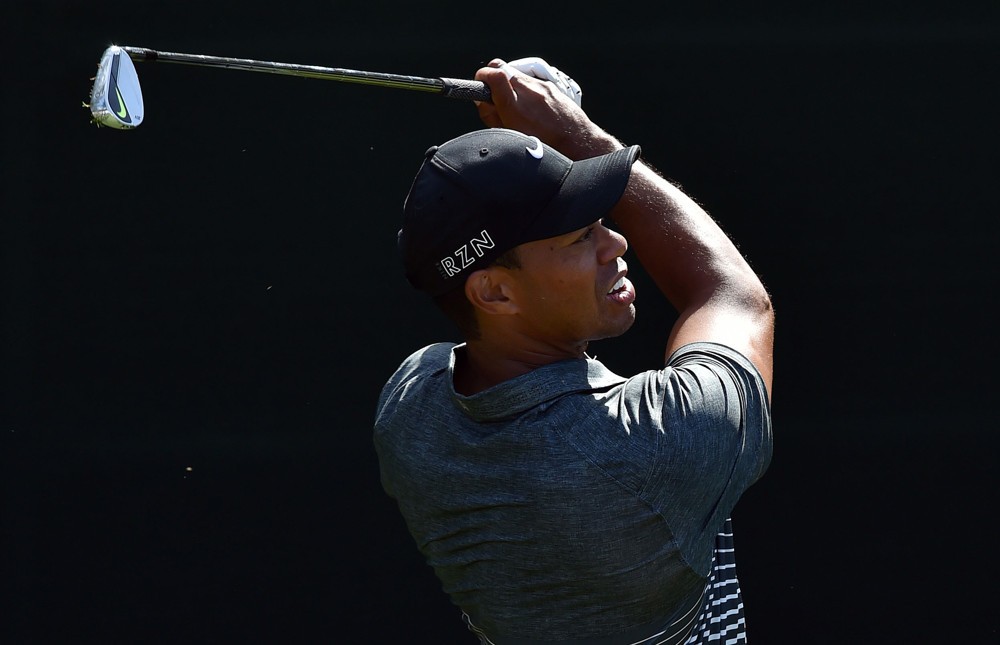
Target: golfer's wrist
590	142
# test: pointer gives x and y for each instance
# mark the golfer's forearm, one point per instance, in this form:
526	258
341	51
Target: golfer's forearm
689	257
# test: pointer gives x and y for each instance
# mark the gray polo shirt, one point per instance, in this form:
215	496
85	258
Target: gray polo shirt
570	502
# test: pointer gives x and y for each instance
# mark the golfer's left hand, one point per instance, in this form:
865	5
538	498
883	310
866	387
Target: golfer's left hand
537	67
536	107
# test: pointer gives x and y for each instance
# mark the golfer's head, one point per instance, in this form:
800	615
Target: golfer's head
484	193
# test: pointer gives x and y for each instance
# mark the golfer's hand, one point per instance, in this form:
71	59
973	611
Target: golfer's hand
540	108
539	68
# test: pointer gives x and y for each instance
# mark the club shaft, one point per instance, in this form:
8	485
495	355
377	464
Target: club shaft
453	88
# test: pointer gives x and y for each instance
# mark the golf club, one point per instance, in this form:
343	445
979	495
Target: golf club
116	98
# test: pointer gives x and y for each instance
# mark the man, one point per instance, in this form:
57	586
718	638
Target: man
557	501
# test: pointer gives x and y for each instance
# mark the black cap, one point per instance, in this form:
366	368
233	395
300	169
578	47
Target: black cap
485	192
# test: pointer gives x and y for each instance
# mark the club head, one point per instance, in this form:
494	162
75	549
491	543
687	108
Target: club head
116	99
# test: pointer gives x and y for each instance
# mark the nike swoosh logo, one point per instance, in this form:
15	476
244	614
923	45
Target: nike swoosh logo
537	151
122	110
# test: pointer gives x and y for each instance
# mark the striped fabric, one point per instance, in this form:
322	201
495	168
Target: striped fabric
721	620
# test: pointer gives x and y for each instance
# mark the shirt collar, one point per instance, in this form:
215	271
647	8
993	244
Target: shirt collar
514	396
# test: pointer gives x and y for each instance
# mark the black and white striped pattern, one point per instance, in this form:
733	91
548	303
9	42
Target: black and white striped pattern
721	621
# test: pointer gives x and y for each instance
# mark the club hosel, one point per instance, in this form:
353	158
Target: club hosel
141	53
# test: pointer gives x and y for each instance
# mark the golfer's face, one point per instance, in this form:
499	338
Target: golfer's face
571	287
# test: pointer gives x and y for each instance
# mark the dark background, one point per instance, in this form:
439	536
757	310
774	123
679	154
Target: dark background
198	315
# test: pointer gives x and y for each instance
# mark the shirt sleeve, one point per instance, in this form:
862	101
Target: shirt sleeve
713	440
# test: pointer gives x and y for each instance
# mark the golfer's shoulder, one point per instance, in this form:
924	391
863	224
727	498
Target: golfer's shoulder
699	370
436	356
714	375
429	360
715	357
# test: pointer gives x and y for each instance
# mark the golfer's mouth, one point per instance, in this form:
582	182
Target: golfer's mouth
622	292
618	285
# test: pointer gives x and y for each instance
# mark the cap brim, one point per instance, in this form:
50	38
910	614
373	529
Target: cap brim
590	190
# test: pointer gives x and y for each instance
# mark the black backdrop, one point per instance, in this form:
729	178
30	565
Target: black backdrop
198	315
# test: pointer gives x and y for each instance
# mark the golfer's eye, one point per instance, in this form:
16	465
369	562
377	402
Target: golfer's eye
586	235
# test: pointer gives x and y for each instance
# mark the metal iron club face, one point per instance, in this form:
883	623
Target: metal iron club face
116	98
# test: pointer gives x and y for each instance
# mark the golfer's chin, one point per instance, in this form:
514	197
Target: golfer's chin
621	324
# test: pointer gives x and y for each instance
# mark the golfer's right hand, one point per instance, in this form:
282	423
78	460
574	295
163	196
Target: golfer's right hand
539	108
539	68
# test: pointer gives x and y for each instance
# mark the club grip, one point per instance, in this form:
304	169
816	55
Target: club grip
456	88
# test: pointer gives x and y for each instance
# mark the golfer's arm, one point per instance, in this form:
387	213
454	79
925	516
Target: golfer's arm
718	296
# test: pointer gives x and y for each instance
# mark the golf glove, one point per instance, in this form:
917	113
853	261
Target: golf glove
534	66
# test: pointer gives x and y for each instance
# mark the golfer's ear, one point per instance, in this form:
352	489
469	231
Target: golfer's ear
489	290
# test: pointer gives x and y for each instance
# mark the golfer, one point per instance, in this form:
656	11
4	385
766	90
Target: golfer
557	501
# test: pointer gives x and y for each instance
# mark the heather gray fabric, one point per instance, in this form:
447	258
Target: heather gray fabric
570	502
